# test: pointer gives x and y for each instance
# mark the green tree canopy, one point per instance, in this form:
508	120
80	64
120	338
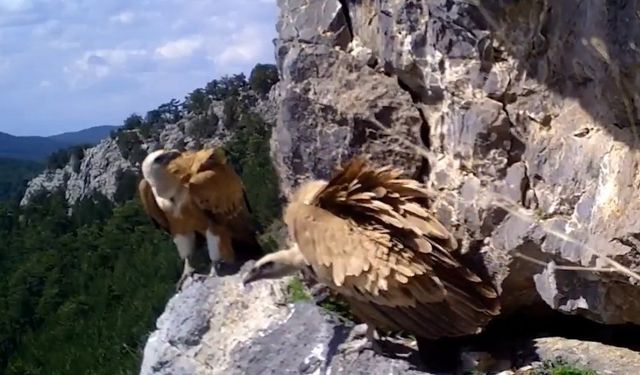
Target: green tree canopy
262	78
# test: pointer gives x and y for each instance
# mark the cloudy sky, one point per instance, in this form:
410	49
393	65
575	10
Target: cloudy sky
71	64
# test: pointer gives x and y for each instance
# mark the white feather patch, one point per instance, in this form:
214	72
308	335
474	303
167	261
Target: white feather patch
213	244
185	244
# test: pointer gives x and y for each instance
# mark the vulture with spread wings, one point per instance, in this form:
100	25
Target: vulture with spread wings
368	235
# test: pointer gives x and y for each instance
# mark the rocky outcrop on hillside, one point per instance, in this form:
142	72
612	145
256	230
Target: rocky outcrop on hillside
528	101
99	171
105	165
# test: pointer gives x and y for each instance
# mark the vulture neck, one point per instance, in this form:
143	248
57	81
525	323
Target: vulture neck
165	186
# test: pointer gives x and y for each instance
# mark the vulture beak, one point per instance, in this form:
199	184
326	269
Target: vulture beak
275	265
167	156
251	276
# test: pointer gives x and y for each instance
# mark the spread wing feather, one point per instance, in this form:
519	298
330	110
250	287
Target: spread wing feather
368	235
151	207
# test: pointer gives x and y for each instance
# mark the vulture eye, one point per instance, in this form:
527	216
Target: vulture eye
268	265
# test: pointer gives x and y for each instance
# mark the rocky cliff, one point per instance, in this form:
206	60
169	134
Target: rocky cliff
531	102
104	166
521	115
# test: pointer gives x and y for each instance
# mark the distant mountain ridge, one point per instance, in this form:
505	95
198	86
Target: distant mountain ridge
38	148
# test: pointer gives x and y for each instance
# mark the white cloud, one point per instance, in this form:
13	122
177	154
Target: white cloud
227	22
142	52
246	46
124	18
178	49
98	64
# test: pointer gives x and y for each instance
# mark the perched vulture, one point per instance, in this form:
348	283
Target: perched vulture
167	199
217	190
367	235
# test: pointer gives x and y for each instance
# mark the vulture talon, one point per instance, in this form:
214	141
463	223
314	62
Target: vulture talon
361	338
189	275
215	269
181	281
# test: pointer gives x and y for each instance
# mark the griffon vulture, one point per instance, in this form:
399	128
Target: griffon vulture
367	235
216	189
166	198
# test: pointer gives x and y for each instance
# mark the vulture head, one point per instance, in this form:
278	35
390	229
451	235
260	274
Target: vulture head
155	170
276	265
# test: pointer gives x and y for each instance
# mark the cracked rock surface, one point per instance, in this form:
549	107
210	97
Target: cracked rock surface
218	326
532	104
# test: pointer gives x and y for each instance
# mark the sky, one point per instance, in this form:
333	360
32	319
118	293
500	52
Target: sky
71	64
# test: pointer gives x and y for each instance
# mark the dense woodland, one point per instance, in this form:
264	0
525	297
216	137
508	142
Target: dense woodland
14	175
80	292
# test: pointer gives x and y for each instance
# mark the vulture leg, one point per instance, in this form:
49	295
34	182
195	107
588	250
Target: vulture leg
353	344
188	271
213	245
185	244
319	292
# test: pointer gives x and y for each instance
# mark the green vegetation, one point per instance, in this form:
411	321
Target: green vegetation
296	291
62	157
262	78
14	176
336	304
560	366
204	126
80	292
248	151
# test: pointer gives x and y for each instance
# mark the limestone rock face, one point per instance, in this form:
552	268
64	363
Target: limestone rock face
217	326
532	105
99	171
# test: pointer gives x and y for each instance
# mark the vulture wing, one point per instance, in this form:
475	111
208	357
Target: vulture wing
367	235
151	207
218	190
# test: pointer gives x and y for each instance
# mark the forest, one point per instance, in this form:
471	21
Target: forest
83	285
14	175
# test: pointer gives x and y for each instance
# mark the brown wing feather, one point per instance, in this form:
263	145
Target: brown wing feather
368	235
151	207
218	190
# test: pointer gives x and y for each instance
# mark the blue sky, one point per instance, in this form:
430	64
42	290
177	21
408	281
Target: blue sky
71	64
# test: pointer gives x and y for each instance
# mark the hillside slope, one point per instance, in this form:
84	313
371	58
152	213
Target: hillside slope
38	148
82	263
14	176
29	147
91	135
